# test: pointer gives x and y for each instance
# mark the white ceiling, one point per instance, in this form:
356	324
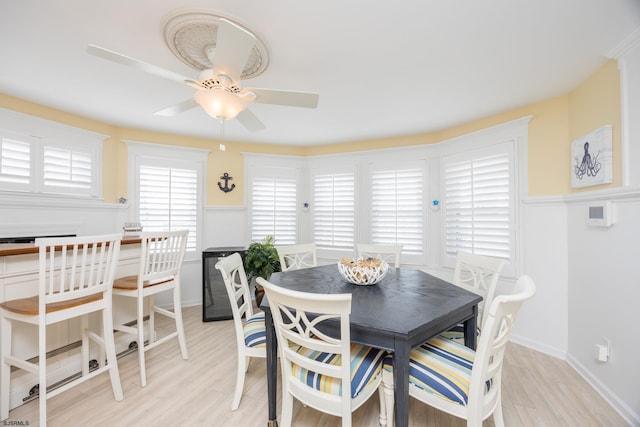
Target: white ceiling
382	69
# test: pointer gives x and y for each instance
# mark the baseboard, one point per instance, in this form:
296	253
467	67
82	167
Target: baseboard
621	407
538	346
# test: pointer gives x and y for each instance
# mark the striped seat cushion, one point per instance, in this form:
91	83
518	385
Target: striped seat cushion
254	331
442	367
366	364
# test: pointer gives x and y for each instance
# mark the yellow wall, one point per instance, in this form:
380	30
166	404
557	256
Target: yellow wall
595	103
555	123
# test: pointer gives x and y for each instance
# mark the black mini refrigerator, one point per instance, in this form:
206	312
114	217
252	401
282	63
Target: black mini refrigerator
215	300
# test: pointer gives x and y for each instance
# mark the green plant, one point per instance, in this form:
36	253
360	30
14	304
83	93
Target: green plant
262	259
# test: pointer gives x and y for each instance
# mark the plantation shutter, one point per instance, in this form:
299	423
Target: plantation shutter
168	200
67	168
334	211
15	161
273	203
397	209
478	206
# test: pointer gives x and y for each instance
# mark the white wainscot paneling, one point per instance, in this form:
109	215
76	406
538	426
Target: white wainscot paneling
226	227
542	321
604	291
29	216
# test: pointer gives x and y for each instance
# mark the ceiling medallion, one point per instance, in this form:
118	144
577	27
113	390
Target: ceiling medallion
192	34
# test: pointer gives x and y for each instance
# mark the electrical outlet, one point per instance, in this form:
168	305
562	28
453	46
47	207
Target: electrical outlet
602	350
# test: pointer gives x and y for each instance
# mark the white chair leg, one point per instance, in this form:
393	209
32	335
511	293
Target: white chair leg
498	418
151	323
383	407
5	368
237	394
42	372
389	398
84	322
140	330
177	310
111	357
287	409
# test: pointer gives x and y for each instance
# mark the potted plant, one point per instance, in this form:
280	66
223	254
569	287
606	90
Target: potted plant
261	260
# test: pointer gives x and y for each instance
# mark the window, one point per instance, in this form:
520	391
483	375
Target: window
334	210
166	187
15	161
397	211
478	192
168	200
273	207
44	157
44	166
66	168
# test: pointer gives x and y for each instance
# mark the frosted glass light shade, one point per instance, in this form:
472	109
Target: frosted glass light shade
219	103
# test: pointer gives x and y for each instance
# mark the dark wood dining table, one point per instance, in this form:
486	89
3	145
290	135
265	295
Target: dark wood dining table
404	309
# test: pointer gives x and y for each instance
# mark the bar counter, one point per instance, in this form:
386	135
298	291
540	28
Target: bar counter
7	249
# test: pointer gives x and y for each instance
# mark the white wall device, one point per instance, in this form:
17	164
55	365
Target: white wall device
600	214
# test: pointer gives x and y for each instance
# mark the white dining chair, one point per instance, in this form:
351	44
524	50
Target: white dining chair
294	257
161	257
388	253
75	278
478	274
314	365
455	379
250	333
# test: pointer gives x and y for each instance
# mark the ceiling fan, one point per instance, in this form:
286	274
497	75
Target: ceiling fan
218	90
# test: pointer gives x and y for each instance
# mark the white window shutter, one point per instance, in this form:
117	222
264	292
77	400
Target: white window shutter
15	161
168	200
67	168
334	211
478	206
397	215
273	204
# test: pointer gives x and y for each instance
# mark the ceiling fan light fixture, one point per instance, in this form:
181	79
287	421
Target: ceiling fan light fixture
220	103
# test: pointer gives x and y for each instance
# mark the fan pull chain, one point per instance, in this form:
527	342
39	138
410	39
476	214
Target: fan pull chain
221	128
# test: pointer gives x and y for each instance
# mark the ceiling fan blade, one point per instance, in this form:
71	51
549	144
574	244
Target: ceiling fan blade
131	62
174	110
233	47
250	120
284	97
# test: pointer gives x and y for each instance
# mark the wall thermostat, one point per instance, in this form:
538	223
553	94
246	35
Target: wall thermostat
600	214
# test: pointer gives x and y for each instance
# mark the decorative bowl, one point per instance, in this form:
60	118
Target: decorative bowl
363	271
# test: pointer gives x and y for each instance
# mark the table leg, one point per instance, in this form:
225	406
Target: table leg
272	367
471	330
401	383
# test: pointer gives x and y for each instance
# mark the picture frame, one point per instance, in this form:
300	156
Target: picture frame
592	158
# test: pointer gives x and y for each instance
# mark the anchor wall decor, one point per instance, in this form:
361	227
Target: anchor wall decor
226	178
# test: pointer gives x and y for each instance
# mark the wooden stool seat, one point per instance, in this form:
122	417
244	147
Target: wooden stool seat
31	306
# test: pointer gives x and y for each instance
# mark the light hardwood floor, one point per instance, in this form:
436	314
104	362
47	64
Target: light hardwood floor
538	390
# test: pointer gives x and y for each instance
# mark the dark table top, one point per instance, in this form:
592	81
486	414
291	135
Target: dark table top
405	304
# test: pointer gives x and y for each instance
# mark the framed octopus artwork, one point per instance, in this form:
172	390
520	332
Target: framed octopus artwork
592	158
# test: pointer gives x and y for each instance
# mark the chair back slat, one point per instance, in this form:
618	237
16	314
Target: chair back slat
478	274
386	252
162	254
489	359
295	257
237	286
298	318
75	267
